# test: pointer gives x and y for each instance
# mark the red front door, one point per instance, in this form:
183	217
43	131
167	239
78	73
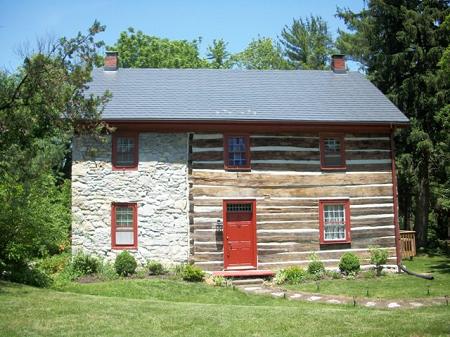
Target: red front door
239	233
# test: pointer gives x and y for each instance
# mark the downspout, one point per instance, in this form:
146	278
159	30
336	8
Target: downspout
398	251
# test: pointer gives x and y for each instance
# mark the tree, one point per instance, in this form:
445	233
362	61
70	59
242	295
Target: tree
219	55
138	50
401	43
308	43
41	106
261	54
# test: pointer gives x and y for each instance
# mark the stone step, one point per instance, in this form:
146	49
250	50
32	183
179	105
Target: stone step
247	281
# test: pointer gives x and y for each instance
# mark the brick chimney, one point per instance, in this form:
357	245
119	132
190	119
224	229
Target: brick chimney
111	61
338	63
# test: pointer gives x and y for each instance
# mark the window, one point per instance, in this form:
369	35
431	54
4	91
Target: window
125	151
332	152
124	226
237	152
334	220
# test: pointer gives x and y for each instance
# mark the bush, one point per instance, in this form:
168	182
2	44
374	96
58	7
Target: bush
155	268
280	277
107	271
84	264
349	264
192	273
315	267
219	281
26	274
125	264
54	264
294	274
378	257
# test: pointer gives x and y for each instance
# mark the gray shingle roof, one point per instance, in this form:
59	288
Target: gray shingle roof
242	95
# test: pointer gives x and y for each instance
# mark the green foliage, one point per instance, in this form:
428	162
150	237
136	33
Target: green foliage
369	274
349	264
27	274
219	281
404	48
84	264
138	50
378	257
335	275
192	273
315	267
42	104
308	43
218	55
294	274
262	53
107	271
55	264
125	264
155	268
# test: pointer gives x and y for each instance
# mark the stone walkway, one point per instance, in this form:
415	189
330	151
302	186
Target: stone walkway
334	299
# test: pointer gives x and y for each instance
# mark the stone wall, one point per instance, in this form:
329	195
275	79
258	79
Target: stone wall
159	187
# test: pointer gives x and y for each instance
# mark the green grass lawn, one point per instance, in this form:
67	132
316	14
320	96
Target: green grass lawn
175	308
393	285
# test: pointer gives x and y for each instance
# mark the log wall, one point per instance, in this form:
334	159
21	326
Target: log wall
287	183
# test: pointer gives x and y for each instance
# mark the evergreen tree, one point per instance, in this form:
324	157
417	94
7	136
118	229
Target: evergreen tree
308	43
401	42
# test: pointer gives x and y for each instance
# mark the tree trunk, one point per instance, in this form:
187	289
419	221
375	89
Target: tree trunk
422	205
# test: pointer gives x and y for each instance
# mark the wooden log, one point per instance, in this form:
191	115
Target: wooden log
296	142
248	179
374	144
287	155
322	192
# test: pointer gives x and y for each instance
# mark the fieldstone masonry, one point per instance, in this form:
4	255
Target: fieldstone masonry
159	187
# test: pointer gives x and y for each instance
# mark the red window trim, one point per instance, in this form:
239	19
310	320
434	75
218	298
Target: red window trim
341	138
346	203
114	226
134	166
247	153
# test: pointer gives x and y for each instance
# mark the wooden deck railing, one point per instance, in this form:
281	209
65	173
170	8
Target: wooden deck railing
408	243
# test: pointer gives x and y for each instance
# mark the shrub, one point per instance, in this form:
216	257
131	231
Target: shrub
27	274
54	264
378	257
107	271
349	264
315	267
155	268
219	281
84	264
294	274
125	264
280	277
192	273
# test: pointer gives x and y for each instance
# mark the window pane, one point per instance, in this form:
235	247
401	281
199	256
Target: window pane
125	151
334	222
332	152
237	152
124	217
124	238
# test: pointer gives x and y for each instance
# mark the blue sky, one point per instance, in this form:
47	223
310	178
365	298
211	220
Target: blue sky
237	22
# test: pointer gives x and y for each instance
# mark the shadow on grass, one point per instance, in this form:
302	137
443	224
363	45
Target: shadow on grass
443	267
